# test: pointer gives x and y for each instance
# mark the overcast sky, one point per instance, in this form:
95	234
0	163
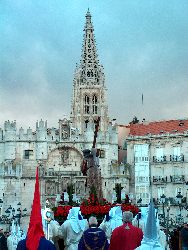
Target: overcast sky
142	44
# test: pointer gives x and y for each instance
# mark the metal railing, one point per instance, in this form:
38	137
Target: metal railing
166	179
160	159
177	158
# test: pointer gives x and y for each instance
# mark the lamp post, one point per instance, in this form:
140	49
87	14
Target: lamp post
167	224
179	197
139	201
11	214
163	199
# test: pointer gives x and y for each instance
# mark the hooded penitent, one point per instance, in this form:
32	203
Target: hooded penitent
115	216
76	220
35	231
150	240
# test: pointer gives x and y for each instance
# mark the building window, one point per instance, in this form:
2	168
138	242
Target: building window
86	123
94	102
28	154
159	153
179	190
86	104
160	192
176	151
101	153
143	193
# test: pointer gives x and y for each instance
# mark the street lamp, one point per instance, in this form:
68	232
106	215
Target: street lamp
179	197
139	201
7	212
163	199
13	211
167	225
11	214
165	222
19	205
1	206
24	212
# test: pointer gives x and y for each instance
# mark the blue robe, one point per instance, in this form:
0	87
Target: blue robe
93	238
44	244
3	242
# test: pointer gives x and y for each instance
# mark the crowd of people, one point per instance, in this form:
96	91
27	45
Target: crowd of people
118	231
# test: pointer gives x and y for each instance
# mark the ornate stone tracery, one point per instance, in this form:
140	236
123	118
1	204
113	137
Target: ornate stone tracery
89	83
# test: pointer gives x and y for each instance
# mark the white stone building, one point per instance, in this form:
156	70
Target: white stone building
158	155
58	151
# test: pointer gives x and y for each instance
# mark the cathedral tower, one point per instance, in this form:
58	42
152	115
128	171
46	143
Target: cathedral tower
89	91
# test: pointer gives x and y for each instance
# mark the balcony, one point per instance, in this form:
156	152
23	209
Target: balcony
159	180
159	159
177	158
177	179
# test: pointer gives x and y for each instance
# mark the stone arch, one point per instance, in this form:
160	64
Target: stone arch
68	147
65	158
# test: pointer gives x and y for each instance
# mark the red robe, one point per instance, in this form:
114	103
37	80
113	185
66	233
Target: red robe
126	239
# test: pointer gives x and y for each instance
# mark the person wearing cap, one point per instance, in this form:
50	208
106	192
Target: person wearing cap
111	221
35	239
94	237
3	240
71	230
127	236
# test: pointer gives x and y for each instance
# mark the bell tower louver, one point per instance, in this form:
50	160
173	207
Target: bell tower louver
89	92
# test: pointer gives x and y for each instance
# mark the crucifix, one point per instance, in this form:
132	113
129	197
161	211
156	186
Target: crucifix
90	166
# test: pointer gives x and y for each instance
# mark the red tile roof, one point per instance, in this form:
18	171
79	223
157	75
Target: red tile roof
159	127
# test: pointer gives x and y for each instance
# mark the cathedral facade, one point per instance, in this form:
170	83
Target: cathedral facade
58	151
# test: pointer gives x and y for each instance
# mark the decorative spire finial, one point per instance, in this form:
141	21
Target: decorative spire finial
88	13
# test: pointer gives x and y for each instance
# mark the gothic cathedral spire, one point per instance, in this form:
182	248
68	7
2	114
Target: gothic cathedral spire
90	68
89	92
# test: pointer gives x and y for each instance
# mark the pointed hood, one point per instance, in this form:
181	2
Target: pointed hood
13	228
151	228
115	215
35	231
150	240
76	220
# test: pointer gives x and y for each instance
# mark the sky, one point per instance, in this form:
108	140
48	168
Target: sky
142	44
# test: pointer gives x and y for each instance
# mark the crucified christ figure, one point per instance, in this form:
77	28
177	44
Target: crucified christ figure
90	166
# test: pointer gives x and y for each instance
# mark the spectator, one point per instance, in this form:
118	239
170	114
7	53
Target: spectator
71	230
127	236
93	238
111	221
